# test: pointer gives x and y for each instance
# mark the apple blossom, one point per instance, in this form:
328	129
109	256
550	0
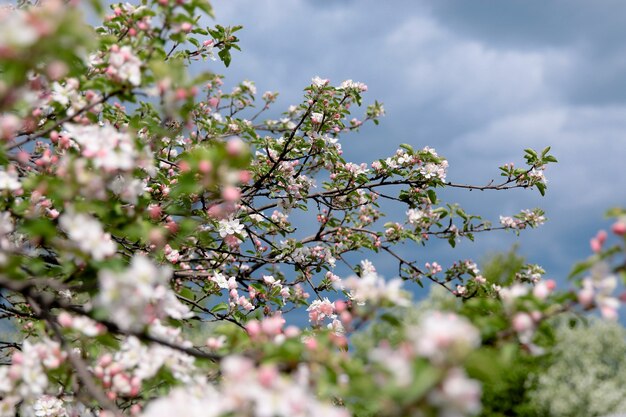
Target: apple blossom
153	238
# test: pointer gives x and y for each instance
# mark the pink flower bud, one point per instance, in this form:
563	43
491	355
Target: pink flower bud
205	166
267	375
56	70
619	228
339	340
232	241
23	157
115	368
156	238
230	193
65	319
245	176
105	360
235	147
595	244
155	211
17	358
585	297
184	166
215	343
522	322
310	343
253	327
292	331
346	317
541	290
608	312
340	306
171	226
9	125
181	94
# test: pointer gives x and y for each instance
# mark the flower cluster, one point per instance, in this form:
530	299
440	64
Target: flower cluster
106	146
86	233
598	290
154	236
124	65
246	389
27	377
373	289
139	295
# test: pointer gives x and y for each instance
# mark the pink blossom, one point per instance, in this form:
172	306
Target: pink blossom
215	343
230	193
444	337
9	125
523	324
457	395
619	228
317	118
542	289
253	327
597	242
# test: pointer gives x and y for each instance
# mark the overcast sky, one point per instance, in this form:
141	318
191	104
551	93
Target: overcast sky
478	80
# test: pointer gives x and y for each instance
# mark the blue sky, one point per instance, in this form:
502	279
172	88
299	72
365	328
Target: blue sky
479	81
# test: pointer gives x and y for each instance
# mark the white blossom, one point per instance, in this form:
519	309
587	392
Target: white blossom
444	337
109	148
372	288
125	65
139	294
230	227
9	180
48	406
457	396
15	29
318	82
87	234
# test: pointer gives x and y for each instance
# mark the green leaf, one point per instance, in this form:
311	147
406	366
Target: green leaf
224	55
531	152
542	188
97	7
391	319
432	196
220	307
43	228
205	6
581	267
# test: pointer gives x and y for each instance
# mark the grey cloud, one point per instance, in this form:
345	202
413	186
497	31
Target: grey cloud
479	81
534	24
